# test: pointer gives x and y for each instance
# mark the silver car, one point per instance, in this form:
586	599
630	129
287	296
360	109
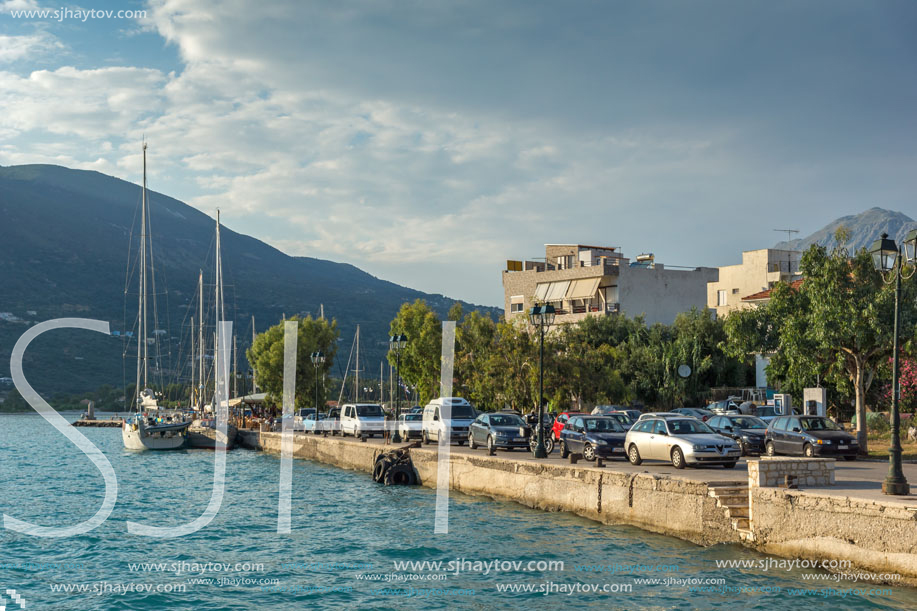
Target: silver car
683	441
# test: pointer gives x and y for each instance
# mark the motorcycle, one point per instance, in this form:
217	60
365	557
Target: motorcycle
547	432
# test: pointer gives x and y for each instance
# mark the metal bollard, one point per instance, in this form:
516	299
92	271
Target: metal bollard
574	458
599	462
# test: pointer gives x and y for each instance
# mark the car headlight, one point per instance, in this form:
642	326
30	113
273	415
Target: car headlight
502	434
600	442
697	448
823	442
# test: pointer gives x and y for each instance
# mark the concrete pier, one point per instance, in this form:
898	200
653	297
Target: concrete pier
704	506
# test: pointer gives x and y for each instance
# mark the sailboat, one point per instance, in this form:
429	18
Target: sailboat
149	427
203	432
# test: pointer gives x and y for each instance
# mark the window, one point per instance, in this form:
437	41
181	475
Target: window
721	297
780	424
515	307
735	291
659	428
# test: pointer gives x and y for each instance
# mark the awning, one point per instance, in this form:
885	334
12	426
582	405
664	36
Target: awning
584	288
557	290
541	290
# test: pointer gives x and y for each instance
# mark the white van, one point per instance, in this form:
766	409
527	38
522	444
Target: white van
462	415
362	419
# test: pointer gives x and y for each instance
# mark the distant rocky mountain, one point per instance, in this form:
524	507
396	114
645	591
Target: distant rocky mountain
863	228
65	236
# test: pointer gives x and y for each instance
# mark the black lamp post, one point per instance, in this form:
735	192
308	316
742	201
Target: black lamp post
541	317
318	359
888	257
397	343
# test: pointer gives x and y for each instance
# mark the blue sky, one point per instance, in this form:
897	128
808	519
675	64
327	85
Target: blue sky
428	142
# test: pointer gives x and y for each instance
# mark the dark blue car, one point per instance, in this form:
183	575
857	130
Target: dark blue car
499	430
592	436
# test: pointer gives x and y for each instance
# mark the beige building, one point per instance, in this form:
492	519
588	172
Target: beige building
759	271
580	281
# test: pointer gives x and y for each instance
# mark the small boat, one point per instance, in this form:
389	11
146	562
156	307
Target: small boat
149	427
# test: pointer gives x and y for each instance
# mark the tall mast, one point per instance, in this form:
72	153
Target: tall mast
356	372
218	296
193	393
235	368
252	365
200	338
141	335
381	382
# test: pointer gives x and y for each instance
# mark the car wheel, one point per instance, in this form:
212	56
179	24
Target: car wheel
564	452
549	444
729	465
742	448
808	450
490	443
678	458
589	452
471	443
633	455
771	450
850	458
426	438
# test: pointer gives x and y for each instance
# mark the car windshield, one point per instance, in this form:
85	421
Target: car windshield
687	427
766	411
506	420
622	418
748	423
603	425
369	410
413	416
463	411
818	424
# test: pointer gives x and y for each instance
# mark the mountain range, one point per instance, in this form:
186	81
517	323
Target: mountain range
863	229
65	241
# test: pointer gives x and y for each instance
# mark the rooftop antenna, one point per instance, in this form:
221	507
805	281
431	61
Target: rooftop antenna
789	261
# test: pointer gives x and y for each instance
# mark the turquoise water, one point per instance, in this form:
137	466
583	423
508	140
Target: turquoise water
344	525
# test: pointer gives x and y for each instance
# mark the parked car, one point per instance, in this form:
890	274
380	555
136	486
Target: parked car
695	412
604	410
747	431
311	426
434	421
362	420
300	416
720	407
592	436
768	413
561	420
417	409
809	436
683	441
623	419
633	413
646	415
333	420
410	426
501	430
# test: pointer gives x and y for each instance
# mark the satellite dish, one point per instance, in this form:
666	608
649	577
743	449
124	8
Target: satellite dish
684	371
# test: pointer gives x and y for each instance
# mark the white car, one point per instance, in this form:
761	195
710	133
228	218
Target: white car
410	426
362	420
683	441
435	421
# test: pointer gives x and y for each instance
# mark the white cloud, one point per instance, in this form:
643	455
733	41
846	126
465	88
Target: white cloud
15	48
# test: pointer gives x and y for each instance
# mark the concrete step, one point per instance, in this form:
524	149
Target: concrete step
741	524
740	511
726	490
745	535
731	499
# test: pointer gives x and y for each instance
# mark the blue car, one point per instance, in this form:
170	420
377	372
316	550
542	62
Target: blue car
592	436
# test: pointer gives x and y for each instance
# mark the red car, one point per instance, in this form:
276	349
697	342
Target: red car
561	420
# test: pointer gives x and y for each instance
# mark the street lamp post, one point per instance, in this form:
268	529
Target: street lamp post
888	257
318	359
541	317
397	344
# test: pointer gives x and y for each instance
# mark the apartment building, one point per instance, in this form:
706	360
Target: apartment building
581	280
759	271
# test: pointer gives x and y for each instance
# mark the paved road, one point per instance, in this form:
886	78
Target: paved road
861	479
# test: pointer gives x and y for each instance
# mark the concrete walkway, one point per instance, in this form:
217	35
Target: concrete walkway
857	479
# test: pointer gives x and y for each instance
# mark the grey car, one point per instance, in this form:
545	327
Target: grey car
682	441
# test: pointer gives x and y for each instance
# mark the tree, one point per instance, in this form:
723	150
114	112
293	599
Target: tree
836	327
420	359
267	351
475	364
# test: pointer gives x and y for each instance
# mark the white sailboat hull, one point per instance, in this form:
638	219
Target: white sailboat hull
136	437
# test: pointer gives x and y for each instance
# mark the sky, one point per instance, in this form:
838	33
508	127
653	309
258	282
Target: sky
428	142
